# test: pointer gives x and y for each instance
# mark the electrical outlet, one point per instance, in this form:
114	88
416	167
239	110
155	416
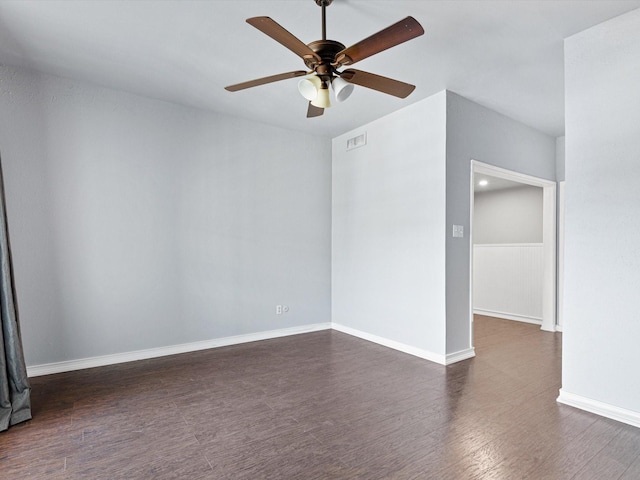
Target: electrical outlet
278	309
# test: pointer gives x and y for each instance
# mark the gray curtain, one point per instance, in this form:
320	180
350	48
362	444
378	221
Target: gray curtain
15	391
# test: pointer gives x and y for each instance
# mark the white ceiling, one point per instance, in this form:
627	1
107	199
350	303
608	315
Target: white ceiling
506	55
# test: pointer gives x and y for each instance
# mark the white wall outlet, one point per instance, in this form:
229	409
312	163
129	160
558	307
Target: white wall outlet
458	231
278	309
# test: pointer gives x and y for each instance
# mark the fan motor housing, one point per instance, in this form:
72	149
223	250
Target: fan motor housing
326	50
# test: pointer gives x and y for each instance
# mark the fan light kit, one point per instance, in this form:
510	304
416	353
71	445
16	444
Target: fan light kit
325	57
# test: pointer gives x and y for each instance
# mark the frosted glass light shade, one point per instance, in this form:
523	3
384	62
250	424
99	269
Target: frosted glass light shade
322	100
341	88
309	86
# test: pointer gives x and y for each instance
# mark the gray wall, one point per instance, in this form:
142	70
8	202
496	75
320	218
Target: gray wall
512	215
475	132
137	223
602	258
392	218
388	227
560	158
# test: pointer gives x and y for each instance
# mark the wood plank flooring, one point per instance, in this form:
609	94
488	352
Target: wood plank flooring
321	405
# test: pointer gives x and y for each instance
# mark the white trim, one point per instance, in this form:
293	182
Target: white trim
510	245
623	415
508	316
402	347
104	360
550	277
472	199
561	204
487	169
70	365
459	356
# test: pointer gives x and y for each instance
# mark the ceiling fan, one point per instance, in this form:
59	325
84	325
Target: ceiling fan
324	58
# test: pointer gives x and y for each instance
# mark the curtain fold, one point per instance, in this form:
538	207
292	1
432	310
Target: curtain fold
15	391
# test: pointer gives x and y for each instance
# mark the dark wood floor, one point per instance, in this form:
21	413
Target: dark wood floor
319	406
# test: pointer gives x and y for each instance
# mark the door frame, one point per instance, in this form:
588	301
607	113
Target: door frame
560	314
549	292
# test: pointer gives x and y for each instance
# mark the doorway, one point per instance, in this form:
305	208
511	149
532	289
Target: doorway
549	296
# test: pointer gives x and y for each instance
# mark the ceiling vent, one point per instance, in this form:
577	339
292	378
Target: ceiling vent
356	142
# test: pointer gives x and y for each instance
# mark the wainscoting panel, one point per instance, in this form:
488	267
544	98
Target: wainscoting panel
507	281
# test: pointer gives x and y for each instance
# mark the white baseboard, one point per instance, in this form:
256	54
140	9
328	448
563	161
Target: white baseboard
459	356
101	361
508	316
417	352
623	415
104	360
558	328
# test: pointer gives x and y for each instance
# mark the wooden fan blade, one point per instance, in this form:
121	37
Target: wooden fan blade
314	111
378	82
391	36
271	28
263	80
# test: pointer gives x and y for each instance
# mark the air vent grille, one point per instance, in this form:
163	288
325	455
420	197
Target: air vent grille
356	142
